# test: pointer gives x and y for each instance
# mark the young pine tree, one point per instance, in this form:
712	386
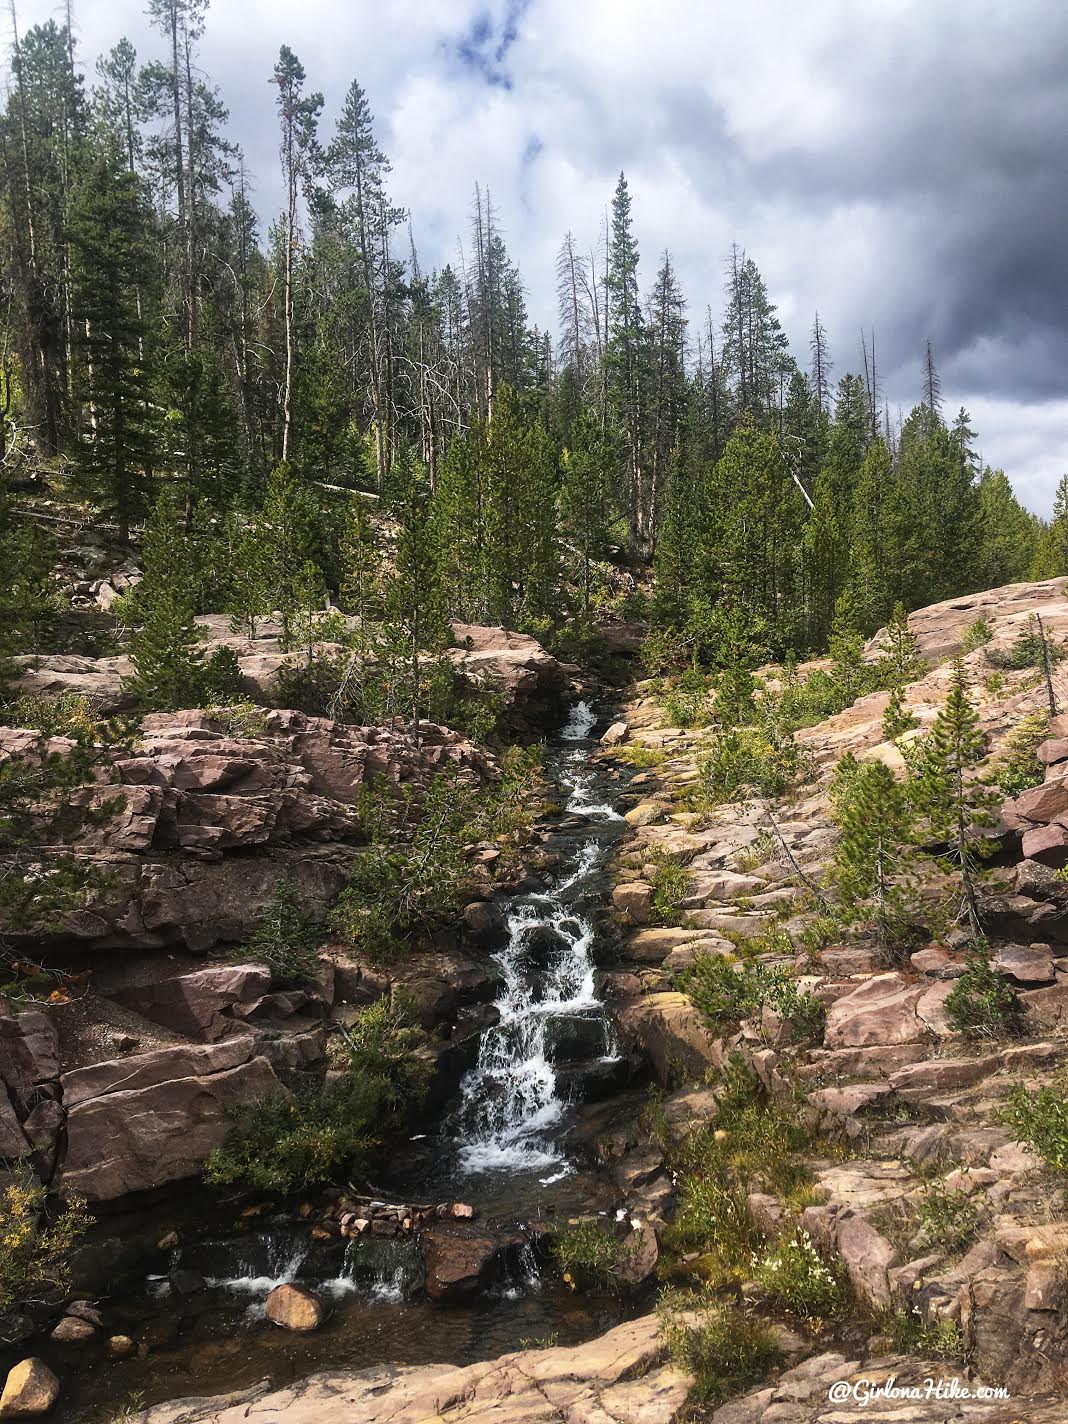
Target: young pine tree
416	621
957	805
873	856
169	667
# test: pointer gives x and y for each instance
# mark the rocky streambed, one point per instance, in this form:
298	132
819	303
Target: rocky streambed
447	1260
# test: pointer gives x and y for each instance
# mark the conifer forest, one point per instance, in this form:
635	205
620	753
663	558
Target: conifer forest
533	856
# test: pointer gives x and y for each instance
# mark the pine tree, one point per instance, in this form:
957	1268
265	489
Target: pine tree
897	719
112	266
873	858
169	666
586	499
415	609
957	805
902	661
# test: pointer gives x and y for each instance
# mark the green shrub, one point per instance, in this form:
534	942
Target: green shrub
727	994
34	1252
638	755
589	1254
949	1218
687	703
413	874
976	635
1018	768
286	938
284	1144
670	880
793	1274
764	849
743	761
725	1350
981	1004
1041	1120
908	1334
1026	651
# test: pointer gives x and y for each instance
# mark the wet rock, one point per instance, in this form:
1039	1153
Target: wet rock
638	1261
72	1331
295	1308
462	1259
485	925
31	1389
120	1347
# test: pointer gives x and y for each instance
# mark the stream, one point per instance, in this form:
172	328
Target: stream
503	1147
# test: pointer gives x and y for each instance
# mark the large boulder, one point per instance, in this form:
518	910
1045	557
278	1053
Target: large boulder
138	1123
31	1389
529	681
462	1258
671	1034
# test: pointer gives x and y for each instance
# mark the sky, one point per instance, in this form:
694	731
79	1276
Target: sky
896	164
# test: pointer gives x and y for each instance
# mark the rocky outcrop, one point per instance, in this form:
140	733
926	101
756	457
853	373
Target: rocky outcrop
151	1119
190	794
1040	814
832	1388
619	1378
529	682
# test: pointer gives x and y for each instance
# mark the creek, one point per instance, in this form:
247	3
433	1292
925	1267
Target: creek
504	1146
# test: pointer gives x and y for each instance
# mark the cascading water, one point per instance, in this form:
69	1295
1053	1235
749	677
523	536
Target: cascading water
511	1100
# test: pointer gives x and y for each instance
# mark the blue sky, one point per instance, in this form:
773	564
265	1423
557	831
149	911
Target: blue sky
896	163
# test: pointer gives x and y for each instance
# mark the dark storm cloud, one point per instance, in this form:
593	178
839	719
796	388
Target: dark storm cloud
896	163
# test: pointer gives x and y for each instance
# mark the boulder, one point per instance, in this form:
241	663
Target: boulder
295	1308
461	1259
31	1389
617	733
73	1331
880	1011
130	1139
1046	844
634	899
1044	803
197	1004
671	1033
638	1261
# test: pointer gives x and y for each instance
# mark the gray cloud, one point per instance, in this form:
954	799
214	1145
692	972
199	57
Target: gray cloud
896	163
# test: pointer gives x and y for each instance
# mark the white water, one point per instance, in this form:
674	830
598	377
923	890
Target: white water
510	1103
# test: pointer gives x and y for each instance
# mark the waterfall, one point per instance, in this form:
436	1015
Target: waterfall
510	1101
